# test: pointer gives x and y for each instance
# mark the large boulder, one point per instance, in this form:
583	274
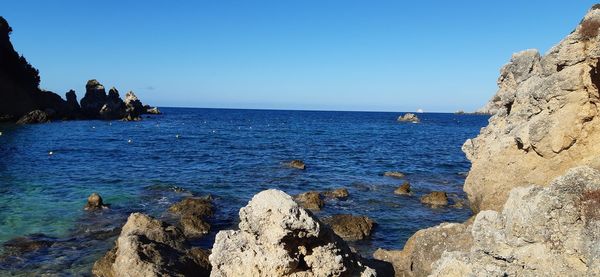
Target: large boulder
549	231
94	99
149	247
350	227
545	119
425	247
276	237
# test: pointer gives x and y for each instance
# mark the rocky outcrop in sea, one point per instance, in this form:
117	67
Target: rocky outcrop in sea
24	102
534	183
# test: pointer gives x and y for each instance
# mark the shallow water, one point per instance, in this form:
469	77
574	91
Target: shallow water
229	154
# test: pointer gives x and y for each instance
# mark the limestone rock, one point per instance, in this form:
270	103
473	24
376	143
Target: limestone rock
297	164
276	237
394	174
151	110
550	231
149	247
350	227
94	202
133	106
403	189
436	199
193	212
409	117
425	247
310	200
34	117
545	119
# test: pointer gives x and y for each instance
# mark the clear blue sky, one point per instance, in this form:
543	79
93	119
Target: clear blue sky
333	55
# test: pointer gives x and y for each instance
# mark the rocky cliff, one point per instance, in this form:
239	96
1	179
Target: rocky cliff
546	119
22	100
545	125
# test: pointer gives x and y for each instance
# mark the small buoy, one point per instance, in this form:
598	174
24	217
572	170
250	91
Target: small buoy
50	153
109	123
177	136
93	127
0	133
128	141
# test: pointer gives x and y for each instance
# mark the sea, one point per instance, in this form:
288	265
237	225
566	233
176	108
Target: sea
47	171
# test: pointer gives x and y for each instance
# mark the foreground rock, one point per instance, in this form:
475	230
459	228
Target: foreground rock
425	247
436	199
193	213
409	117
278	238
545	119
552	231
350	227
310	200
149	247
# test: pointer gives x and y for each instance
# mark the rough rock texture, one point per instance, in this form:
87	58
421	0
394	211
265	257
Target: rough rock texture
436	198
33	117
94	202
151	110
94	99
350	227
409	117
149	247
193	212
114	107
550	231
134	107
403	189
425	247
278	238
310	200
545	119
297	164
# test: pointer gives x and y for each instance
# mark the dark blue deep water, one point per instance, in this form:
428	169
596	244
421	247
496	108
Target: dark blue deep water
229	154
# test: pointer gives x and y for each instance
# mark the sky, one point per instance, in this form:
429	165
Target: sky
439	56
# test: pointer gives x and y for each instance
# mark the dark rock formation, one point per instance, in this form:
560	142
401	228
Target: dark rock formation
134	107
350	227
114	107
193	212
33	117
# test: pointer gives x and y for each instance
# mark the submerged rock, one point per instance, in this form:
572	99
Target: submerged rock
350	227
34	117
22	245
279	238
310	200
94	202
193	212
394	174
436	199
403	189
409	117
339	194
149	247
297	164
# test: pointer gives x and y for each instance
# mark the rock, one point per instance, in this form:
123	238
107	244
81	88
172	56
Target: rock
436	198
551	231
544	121
149	247
114	107
73	107
133	106
350	227
193	212
278	238
310	200
94	99
19	246
297	164
34	117
94	202
427	246
409	117
152	110
339	194
394	174
403	189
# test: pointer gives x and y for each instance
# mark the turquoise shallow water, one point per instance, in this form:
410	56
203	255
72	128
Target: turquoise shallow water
230	154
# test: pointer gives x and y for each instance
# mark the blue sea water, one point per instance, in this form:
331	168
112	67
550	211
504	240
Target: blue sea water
146	166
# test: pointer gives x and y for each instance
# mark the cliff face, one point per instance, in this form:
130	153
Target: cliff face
18	79
546	119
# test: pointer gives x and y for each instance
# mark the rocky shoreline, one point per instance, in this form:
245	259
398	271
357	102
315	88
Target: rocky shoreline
24	102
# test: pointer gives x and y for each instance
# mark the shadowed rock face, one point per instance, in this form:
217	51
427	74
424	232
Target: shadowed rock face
279	238
545	119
